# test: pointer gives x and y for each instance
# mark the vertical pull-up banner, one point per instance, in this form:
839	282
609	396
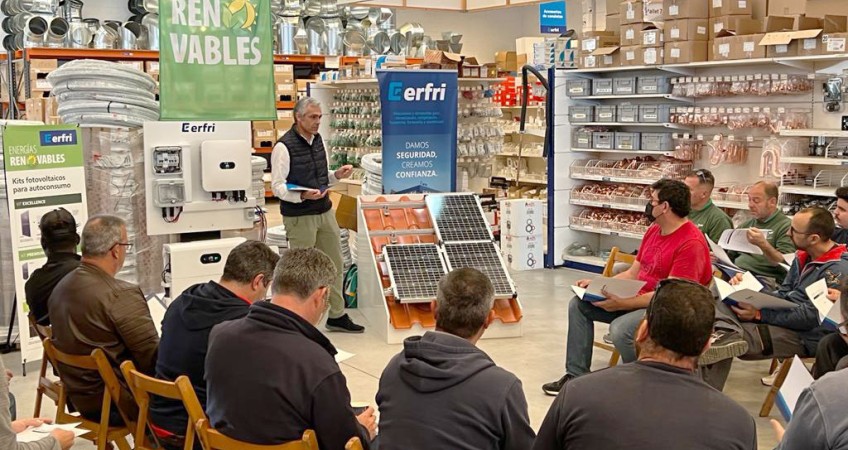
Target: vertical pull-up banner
216	60
419	130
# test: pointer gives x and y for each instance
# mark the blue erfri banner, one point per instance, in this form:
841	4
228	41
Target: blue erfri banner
552	17
419	130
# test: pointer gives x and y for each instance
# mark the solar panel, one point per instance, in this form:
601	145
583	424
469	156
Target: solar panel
485	257
458	217
415	271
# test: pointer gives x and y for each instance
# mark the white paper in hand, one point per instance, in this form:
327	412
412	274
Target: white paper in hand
616	286
578	291
33	434
749	282
721	255
796	381
737	241
830	313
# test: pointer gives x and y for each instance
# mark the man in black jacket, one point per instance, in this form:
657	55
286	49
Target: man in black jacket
442	391
59	239
300	178
271	375
188	322
657	402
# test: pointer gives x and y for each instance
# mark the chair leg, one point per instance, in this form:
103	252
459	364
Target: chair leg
36	412
765	410
122	444
774	364
614	357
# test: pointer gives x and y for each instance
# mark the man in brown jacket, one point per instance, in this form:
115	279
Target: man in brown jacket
91	309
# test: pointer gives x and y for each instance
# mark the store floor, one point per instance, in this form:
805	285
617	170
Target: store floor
536	358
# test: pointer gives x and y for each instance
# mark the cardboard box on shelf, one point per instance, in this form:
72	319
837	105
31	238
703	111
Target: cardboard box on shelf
283	77
283	125
41	65
789	43
631	55
686	30
346	208
680	52
632	11
652	10
608	57
652	36
612	22
651	56
283	68
286	92
738	25
521	217
283	114
834	43
731	7
525	44
729	47
631	34
523	252
594	40
137	65
507	61
686	9
819	8
773	24
35	109
151	67
787	7
835	23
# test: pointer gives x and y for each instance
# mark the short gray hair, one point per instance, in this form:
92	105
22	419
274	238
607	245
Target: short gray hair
249	259
303	271
304	103
464	300
100	234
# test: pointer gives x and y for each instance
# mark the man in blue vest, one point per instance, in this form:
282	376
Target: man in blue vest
300	178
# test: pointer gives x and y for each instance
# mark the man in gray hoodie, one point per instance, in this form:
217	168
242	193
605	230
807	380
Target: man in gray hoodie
442	391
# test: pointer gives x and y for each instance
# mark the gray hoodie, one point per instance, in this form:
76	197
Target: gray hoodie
819	421
443	392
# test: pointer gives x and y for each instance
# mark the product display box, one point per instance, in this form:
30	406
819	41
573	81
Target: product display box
686	30
523	253
264	134
521	217
731	7
652	36
686	52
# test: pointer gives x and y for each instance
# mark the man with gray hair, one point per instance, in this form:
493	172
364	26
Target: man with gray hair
300	178
91	309
442	391
271	375
188	322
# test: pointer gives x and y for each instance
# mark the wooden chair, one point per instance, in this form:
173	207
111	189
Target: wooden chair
616	256
214	440
46	386
353	444
100	433
768	403
143	386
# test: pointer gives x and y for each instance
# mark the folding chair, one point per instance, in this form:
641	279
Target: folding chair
765	410
353	444
214	440
616	256
46	386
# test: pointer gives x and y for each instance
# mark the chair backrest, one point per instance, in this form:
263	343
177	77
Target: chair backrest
143	386
99	362
44	331
214	440
353	444
615	256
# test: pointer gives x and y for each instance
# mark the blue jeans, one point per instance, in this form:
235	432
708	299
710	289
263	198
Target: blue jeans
582	316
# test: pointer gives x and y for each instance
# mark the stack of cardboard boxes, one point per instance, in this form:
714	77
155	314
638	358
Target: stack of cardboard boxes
284	81
152	69
522	233
267	132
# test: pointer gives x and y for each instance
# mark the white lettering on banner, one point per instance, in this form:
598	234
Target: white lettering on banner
189	49
412	155
197	13
417	174
179	9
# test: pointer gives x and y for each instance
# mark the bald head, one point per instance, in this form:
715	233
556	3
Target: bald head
762	199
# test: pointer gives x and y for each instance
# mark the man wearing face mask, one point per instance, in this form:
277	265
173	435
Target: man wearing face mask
673	247
271	375
784	333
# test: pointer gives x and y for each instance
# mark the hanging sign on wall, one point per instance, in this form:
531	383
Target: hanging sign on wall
552	17
216	60
419	130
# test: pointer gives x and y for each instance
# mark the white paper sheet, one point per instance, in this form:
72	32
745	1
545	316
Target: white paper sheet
749	282
157	312
32	434
615	286
737	241
830	313
342	356
721	255
796	381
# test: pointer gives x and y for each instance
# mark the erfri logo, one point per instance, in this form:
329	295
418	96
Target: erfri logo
428	93
64	137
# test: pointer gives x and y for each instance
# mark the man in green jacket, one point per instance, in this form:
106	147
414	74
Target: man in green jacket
709	218
762	202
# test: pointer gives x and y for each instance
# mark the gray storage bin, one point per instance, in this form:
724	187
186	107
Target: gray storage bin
628	113
653	85
602	87
654	113
581	114
657	142
627	141
581	139
580	87
624	86
605	113
604	140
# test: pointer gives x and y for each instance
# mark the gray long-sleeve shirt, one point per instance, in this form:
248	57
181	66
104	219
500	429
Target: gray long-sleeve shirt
819	421
8	439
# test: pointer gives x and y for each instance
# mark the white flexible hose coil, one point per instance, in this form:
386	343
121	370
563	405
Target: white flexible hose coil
100	93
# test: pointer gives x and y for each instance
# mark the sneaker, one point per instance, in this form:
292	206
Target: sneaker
343	324
608	339
769	380
554	387
723	345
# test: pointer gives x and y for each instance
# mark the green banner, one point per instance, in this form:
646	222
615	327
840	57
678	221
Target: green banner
42	148
216	60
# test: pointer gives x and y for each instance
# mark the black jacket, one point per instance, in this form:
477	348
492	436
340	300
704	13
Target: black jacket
41	283
182	347
271	375
442	392
308	168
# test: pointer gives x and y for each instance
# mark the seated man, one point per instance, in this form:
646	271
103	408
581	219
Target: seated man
59	239
784	333
657	402
832	351
421	386
840	235
91	309
271	375
709	218
673	247
190	318
818	421
762	202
